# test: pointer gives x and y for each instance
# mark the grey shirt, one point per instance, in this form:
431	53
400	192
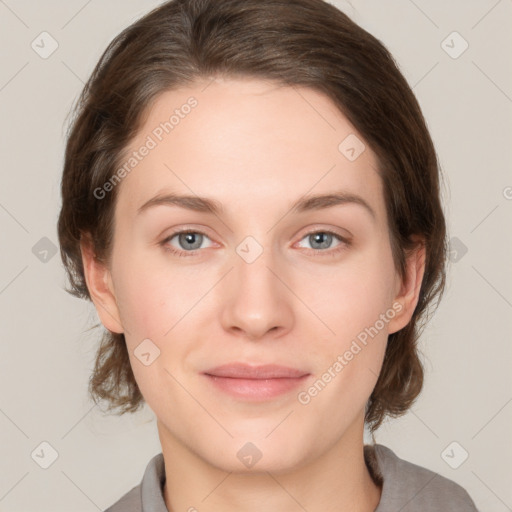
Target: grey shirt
406	487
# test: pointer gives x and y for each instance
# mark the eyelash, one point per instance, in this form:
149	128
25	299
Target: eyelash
345	243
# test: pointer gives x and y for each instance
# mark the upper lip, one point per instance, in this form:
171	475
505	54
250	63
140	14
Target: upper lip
246	371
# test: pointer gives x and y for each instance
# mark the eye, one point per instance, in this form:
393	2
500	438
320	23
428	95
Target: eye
321	240
188	242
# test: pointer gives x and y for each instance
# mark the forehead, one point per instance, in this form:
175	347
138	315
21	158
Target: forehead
246	142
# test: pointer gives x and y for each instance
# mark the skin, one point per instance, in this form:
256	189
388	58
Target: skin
256	148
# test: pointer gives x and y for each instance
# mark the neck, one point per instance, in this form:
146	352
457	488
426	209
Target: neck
337	480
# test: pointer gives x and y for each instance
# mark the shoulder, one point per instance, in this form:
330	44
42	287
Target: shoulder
130	502
408	487
148	495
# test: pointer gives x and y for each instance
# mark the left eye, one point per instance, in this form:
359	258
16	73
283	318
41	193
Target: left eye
322	239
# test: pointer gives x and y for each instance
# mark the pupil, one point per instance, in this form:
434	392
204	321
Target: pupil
322	236
188	238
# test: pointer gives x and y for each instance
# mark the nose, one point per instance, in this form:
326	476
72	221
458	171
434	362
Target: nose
257	303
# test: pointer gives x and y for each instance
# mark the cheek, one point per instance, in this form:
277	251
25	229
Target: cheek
358	310
153	296
361	324
355	295
350	359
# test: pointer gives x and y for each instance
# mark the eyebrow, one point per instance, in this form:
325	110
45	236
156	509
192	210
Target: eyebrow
305	203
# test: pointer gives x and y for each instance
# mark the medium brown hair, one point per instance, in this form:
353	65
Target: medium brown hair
306	43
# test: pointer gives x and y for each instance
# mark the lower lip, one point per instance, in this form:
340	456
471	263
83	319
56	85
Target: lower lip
256	389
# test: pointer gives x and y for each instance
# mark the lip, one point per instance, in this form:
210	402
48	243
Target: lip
255	383
246	371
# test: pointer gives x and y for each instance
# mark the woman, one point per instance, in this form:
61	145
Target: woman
251	201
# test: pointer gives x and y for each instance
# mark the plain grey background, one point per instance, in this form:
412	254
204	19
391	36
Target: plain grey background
46	354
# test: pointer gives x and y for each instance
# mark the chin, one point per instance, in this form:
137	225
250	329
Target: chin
257	454
275	462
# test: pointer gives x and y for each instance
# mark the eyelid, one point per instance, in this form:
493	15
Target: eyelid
186	229
333	231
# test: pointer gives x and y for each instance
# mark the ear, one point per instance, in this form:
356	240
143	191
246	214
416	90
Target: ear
100	286
406	298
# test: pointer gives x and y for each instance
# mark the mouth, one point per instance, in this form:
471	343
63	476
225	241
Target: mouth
255	383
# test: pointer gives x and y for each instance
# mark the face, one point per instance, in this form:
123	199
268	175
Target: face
256	280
